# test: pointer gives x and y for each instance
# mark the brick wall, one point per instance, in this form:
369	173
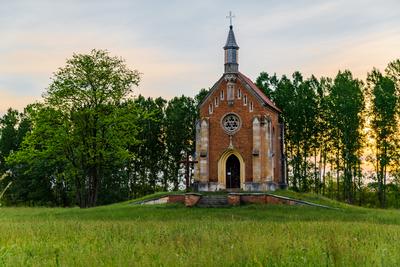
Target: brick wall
242	140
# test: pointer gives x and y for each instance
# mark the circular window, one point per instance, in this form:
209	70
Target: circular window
231	123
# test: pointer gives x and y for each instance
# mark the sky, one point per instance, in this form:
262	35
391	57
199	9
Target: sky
177	45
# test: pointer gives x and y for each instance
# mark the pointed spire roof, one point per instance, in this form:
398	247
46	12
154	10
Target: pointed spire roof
231	41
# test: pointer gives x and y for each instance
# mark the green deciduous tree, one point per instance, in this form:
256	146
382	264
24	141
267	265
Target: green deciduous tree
83	122
146	168
13	128
179	133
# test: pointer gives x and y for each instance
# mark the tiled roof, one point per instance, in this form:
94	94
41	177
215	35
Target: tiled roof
258	92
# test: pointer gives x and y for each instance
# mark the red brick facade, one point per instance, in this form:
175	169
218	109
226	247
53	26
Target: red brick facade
214	108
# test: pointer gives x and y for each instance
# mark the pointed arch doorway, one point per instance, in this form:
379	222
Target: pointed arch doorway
231	170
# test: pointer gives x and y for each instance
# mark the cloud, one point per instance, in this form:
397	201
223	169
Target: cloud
177	45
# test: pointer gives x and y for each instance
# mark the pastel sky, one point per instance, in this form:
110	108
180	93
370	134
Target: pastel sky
177	45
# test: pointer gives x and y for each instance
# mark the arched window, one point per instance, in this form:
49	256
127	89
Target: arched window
251	106
210	108
245	100
222	94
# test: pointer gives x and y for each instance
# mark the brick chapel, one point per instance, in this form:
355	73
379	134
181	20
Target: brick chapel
239	138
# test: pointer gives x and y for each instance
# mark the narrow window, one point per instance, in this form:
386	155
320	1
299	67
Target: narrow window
245	100
210	108
222	94
272	139
239	94
251	106
216	102
230	95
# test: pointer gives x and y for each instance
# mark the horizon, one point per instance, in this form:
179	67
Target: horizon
178	45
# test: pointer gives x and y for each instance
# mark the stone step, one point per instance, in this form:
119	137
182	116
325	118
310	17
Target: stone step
213	201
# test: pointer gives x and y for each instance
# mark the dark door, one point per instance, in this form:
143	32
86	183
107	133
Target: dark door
232	172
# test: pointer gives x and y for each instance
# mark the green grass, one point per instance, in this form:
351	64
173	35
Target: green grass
311	197
152	196
172	235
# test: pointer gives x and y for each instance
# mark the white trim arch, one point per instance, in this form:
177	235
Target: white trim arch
222	167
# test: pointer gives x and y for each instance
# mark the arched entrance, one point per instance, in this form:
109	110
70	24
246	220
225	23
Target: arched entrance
231	162
232	172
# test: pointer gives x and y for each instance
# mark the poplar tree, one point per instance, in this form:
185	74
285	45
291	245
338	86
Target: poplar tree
346	105
383	122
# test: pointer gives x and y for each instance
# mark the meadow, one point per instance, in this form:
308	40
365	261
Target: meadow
173	235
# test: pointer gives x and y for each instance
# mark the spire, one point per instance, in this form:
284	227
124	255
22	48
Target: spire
231	49
231	41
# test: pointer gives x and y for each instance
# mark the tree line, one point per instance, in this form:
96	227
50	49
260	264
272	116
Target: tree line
342	136
90	142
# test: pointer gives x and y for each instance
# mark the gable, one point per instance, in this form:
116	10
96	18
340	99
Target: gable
249	86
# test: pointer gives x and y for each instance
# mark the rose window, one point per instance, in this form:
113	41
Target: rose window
231	123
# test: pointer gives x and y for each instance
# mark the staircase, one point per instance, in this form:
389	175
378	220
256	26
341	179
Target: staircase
213	201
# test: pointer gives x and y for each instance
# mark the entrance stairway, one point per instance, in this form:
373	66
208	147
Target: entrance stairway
213	201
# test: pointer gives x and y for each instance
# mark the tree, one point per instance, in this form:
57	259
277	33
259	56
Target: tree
267	84
325	130
346	104
200	96
148	164
84	123
13	128
179	133
297	98
8	136
383	122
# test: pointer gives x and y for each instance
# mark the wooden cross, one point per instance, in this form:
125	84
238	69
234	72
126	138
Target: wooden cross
230	17
187	163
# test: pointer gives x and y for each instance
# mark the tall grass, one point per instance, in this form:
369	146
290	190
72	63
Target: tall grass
172	235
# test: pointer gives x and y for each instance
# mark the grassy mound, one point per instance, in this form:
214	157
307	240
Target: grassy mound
172	235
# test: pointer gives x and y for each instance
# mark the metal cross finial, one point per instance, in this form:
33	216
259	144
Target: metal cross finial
230	17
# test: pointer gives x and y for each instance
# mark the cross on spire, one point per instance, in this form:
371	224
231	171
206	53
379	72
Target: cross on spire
230	17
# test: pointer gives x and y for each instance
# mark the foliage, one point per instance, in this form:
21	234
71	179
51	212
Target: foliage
383	115
181	118
13	128
80	134
201	95
145	169
323	119
346	103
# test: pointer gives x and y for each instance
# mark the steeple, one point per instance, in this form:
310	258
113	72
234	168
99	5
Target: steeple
231	50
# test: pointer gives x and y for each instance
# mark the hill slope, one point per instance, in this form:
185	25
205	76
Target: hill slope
172	235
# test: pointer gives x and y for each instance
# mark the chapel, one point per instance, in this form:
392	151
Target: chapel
239	136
